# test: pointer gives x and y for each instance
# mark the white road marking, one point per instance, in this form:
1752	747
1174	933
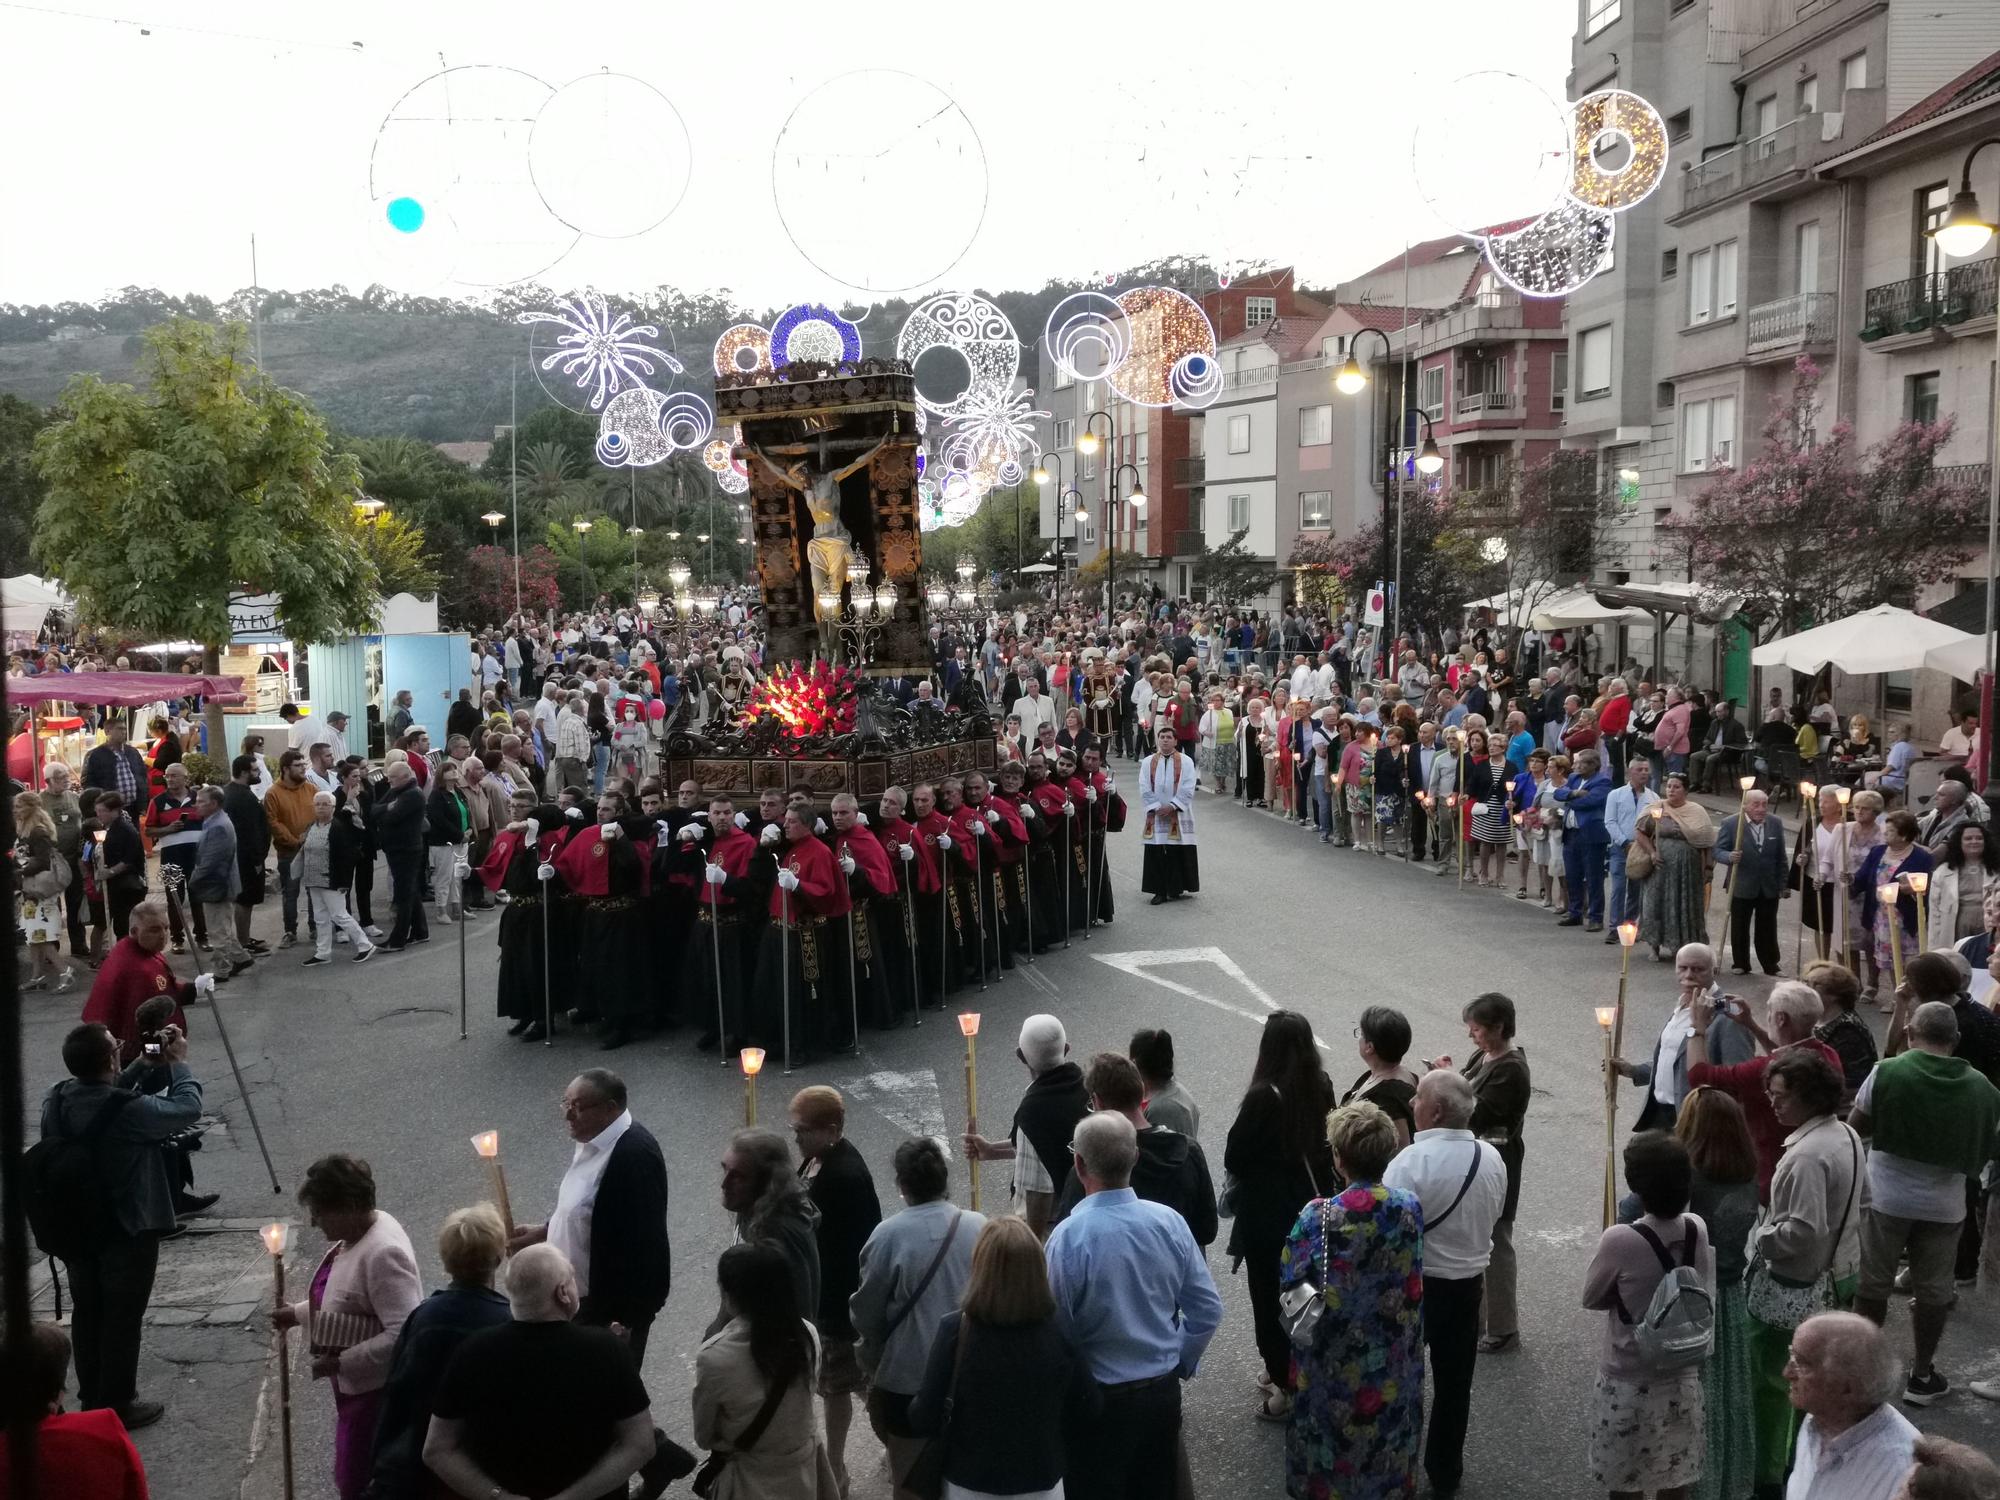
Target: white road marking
1138	962
1033	974
912	1101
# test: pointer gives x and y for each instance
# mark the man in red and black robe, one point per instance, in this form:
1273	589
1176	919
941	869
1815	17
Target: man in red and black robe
803	959
1005	851
611	866
880	955
1050	858
735	887
511	866
944	921
1034	930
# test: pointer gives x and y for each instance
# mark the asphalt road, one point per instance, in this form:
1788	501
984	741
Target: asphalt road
370	1061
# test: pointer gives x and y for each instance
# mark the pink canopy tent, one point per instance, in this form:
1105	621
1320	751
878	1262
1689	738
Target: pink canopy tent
107	689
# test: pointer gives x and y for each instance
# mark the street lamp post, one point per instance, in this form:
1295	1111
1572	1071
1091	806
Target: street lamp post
1087	444
1964	233
1351	379
1074	497
1136	498
1042	475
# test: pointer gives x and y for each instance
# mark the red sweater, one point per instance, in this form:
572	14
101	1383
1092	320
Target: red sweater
1744	1082
130	977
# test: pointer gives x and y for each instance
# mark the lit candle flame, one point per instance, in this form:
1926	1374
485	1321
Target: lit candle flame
968	1023
752	1059
1606	1014
487	1143
275	1236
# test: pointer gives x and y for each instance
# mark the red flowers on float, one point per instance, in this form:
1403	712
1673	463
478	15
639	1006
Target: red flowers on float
808	700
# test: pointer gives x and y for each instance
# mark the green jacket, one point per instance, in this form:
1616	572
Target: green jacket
1936	1110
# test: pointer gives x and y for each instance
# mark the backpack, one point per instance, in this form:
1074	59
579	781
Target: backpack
70	1212
1678	1329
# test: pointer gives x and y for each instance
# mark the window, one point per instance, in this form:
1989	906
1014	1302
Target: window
1593	358
1805	241
1663	394
1239	434
1708	434
1670	264
1198	510
1316	510
1558	379
1333	347
1933	203
1315	426
1680	126
1197	437
1920	397
1086	466
1430	390
1064	380
1259	310
1239	513
1598	14
1701	287
1711	283
1809	95
1086	529
1066	433
1853	74
1764	115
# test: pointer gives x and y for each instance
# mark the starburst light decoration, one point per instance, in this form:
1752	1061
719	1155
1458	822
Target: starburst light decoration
605	355
979	332
993	434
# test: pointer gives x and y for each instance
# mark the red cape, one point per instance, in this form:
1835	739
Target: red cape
130	977
822	888
870	858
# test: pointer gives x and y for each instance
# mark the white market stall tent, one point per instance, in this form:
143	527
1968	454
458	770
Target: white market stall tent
25	603
1882	639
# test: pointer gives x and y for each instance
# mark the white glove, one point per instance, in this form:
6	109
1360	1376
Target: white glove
819	825
1090	794
610	831
715	874
204	984
944	841
663	838
770	835
847	864
1069	809
573	812
461	870
906	852
533	829
545	872
978	826
1110	785
861	818
789	879
689	833
743	820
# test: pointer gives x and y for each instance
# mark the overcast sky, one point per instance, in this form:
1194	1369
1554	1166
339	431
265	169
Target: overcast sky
1110	133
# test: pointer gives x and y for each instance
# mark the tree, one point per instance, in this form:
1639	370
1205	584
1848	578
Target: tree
1811	530
1004	532
396	548
21	487
1231	573
1126	567
1433	582
1547	527
480	591
212	482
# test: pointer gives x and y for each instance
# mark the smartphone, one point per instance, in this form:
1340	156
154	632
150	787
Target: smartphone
151	1049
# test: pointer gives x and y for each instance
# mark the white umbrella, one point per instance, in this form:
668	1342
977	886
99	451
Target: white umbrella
1580	607
27	602
1882	639
1964	659
1039	568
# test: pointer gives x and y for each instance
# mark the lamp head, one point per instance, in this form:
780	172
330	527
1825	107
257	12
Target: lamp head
1088	443
1041	475
1964	230
1606	1014
1628	933
1842	793
1138	495
1351	377
492	518
1887	892
579	526
885	598
1744	783
1429	459
678	573
1919	883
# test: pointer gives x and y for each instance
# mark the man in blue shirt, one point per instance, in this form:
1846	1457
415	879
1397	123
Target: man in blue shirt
1622	811
1135	1297
1583	799
1451	712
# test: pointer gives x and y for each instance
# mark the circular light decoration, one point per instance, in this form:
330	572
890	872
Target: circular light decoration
1087	335
1492	149
979	332
1011	472
844	164
640	427
1556	254
730	482
813	332
1167	327
451	160
1612	124
743	349
1196	380
609	156
992	434
716	456
603	354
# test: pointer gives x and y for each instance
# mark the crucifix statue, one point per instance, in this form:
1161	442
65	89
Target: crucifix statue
832	544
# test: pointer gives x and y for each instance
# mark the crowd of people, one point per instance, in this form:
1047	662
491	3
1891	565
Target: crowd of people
1786	1176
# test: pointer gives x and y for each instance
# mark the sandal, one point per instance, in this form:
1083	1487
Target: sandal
1493	1343
1280	1413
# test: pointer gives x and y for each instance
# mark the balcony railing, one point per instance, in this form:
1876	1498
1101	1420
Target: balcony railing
1477	404
1975	477
1261	375
1757	160
1187	542
1803	318
1190	470
1941	299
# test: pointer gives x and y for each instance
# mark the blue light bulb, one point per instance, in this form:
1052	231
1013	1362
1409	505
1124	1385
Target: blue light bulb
406	215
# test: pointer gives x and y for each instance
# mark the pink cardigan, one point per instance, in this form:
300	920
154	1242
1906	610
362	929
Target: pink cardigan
375	1280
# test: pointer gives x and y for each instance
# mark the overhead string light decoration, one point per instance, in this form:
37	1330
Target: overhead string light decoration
605	355
979	332
640	427
1555	254
811	332
1613	125
1153	345
743	349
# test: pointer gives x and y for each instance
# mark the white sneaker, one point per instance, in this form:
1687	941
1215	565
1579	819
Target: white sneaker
1985	1390
375	934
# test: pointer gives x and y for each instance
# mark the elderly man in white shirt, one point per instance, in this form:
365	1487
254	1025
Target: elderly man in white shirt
1462	1184
1854	1444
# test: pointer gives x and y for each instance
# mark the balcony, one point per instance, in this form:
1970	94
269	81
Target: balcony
1468	323
1940	299
1975	477
1187	543
1189	471
1795	322
1757	161
1237	380
1486	406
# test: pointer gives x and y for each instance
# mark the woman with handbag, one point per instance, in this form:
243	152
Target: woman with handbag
1004	1390
1357	1412
40	874
1277	1161
753	1389
1805	1257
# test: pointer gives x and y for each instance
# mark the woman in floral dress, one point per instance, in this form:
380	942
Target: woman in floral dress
1358	1391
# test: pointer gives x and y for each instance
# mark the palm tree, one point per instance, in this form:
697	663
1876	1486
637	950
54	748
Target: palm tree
550	474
